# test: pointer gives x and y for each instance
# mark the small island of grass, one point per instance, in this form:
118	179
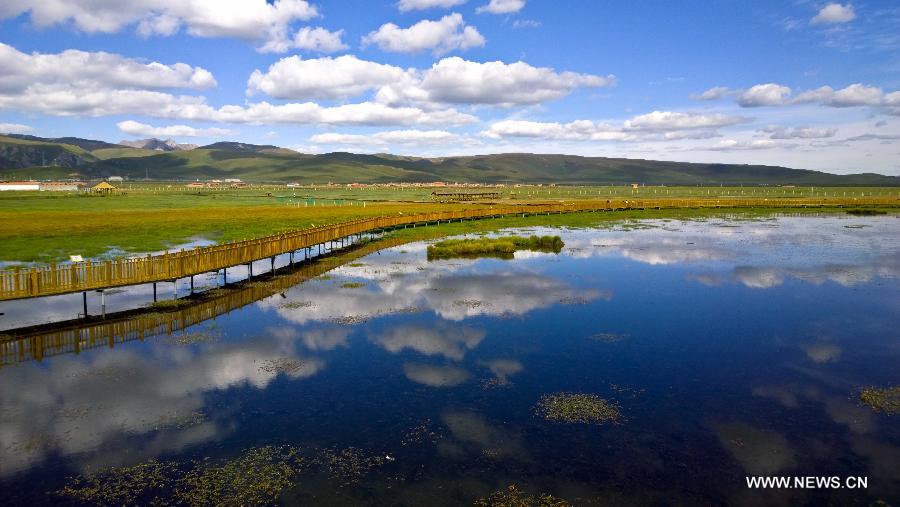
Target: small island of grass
503	247
885	400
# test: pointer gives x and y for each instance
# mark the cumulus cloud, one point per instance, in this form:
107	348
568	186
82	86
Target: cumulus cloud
322	78
457	81
447	34
779	132
834	13
769	94
316	39
19	70
73	101
418	5
714	93
854	95
15	128
393	137
501	7
143	130
257	21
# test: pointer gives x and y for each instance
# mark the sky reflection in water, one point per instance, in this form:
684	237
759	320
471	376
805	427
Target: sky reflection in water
733	347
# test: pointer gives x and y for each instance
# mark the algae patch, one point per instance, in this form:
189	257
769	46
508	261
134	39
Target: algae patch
513	497
885	400
577	408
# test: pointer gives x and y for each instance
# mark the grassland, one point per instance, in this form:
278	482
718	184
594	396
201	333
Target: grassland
48	227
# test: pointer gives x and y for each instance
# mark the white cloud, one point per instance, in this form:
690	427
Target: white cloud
316	39
324	78
69	101
405	137
658	125
834	13
501	7
526	23
714	93
15	128
418	5
854	95
668	120
769	94
756	144
251	20
143	130
442	36
457	81
20	70
579	130
779	132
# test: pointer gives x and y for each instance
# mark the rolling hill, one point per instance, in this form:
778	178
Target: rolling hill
30	158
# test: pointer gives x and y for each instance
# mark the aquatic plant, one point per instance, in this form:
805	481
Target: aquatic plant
513	497
420	434
352	285
351	464
169	304
576	408
192	338
503	247
294	305
866	212
885	400
256	477
281	365
122	485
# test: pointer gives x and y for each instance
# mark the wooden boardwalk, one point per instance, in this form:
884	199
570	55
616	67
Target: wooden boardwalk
78	277
38	342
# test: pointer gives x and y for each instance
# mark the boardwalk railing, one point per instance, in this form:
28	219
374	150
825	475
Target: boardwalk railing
77	277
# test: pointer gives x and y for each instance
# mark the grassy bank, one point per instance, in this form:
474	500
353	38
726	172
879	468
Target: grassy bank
504	247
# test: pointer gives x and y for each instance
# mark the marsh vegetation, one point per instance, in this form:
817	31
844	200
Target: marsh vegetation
503	247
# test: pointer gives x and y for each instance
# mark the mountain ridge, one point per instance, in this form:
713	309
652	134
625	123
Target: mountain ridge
23	158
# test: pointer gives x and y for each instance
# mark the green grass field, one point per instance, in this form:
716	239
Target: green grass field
48	226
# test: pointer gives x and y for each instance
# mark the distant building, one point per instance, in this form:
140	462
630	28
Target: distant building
20	186
232	180
464	196
117	179
103	188
635	185
196	184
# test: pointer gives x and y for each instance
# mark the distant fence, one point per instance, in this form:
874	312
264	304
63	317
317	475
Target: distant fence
77	277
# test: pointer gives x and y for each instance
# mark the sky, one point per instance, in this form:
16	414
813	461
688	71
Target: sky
804	83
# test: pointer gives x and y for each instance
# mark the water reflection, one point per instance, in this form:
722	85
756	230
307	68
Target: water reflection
747	343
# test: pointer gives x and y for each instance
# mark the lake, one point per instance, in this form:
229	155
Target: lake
722	347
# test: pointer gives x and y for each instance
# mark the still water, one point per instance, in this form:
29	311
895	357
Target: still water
732	347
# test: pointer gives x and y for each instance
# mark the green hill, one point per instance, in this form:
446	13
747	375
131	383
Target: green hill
271	163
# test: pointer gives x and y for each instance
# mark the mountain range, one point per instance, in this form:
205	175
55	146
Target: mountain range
30	157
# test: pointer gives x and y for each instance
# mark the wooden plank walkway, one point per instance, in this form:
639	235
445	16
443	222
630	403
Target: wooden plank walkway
69	278
38	342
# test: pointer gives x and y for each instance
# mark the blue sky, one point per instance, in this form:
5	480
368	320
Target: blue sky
805	84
